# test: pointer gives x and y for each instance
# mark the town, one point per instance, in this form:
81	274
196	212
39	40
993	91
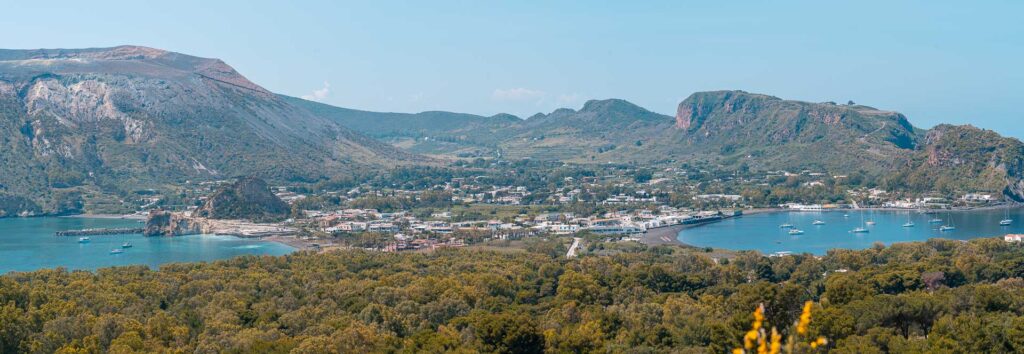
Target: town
497	202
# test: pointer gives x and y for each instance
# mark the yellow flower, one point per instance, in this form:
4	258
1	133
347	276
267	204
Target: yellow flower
749	339
776	342
737	351
805	318
762	344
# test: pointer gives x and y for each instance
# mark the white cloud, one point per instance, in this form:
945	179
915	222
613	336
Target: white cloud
517	94
319	94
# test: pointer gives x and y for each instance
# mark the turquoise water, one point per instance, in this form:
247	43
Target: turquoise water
29	244
761	231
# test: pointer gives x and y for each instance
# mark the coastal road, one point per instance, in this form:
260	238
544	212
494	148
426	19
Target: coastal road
573	248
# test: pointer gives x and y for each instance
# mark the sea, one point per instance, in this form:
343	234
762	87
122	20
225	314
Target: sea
28	244
762	232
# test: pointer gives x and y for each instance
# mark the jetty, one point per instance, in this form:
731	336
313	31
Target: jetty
100	231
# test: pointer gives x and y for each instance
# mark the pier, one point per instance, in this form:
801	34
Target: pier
102	231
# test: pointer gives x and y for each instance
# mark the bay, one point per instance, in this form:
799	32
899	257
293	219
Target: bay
29	243
761	232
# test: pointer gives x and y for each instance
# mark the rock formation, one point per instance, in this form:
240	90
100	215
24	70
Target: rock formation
248	198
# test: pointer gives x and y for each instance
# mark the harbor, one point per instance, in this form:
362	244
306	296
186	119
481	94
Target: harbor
850	229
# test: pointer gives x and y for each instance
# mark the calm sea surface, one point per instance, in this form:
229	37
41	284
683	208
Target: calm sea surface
762	232
28	244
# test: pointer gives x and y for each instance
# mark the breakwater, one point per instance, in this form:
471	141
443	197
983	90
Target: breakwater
101	231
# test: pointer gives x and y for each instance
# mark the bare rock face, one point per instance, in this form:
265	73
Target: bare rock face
166	223
248	198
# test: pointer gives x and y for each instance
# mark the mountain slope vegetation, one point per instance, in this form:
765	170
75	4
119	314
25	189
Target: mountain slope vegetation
126	117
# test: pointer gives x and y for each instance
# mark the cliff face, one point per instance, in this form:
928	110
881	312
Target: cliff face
166	223
958	159
248	198
765	119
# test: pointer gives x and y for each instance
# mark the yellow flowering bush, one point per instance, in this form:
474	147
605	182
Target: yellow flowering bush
759	341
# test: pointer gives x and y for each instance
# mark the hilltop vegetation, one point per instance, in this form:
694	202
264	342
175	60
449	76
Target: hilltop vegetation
938	296
247	198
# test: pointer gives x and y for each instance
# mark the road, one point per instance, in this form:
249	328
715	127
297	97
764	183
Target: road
572	249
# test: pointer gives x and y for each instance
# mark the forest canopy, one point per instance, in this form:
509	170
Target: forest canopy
935	296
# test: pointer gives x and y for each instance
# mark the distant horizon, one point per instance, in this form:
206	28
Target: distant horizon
934	62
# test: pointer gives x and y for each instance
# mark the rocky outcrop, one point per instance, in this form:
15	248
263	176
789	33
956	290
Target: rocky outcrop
963	159
166	223
249	198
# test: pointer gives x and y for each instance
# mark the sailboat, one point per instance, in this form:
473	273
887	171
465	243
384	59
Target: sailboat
909	222
796	232
818	222
870	221
949	227
861	229
1006	219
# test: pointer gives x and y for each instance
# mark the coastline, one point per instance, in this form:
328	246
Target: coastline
290	241
669	235
105	216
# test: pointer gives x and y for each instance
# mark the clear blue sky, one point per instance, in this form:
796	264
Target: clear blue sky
935	61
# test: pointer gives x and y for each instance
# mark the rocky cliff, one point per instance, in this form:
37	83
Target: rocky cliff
961	159
166	223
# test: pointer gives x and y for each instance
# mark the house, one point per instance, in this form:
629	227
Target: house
977	198
1014	238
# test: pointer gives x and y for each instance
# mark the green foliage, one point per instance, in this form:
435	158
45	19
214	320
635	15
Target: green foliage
661	299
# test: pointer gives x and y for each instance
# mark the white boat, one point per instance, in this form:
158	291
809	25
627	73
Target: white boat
126	245
818	222
948	227
909	223
1006	218
786	226
796	232
117	251
83	240
869	222
861	229
846	215
935	221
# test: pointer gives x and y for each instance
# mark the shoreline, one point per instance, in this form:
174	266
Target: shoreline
291	241
669	235
103	216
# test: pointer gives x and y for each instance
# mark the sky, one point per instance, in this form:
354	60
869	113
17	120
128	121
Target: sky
934	61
